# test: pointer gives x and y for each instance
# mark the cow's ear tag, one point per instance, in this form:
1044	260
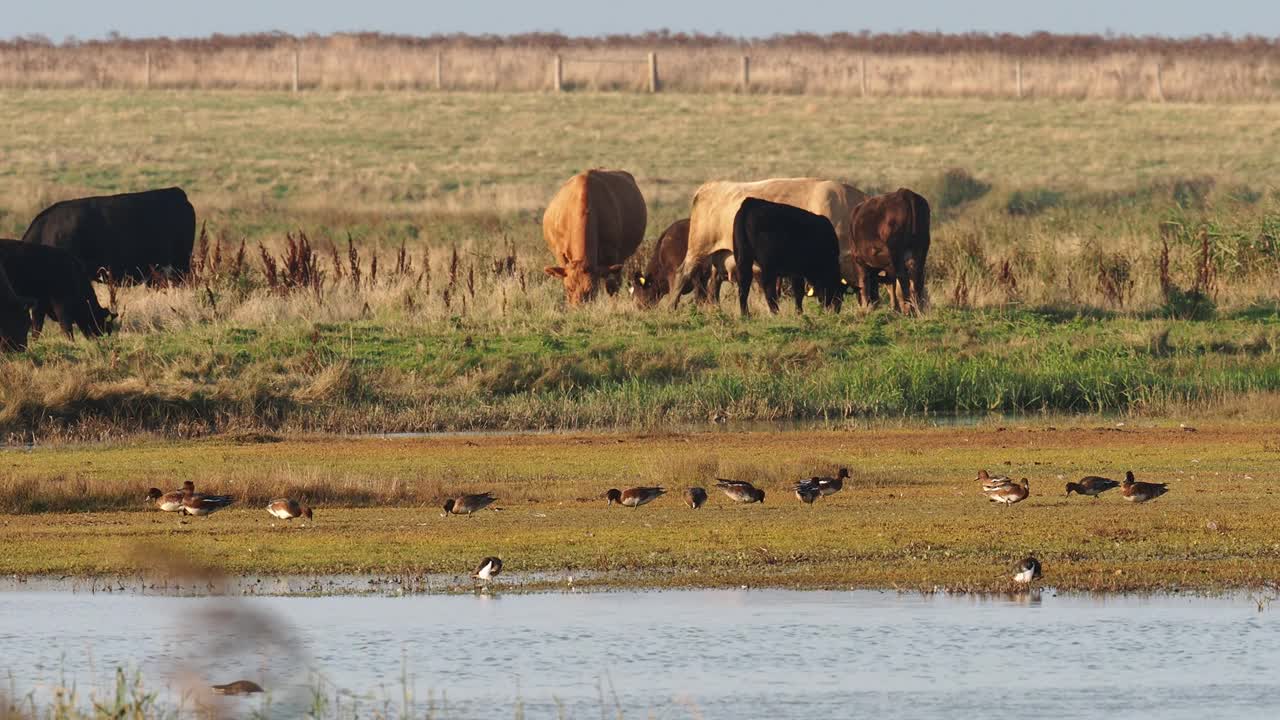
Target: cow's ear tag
641	281
843	281
810	293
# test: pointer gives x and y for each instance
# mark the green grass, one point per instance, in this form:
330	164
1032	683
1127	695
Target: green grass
912	517
638	370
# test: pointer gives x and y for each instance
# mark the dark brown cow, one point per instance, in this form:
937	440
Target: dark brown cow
654	282
15	317
891	239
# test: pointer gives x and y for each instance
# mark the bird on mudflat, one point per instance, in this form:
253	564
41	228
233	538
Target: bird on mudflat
695	497
288	509
1092	485
1010	494
169	501
488	569
740	490
808	490
634	497
993	482
1027	570
831	486
1140	492
467	504
197	504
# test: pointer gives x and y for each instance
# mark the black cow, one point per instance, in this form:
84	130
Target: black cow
58	285
15	317
785	241
127	236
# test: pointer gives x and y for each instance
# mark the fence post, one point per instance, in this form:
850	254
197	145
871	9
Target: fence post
862	74
439	70
1018	69
557	73
1159	83
653	72
148	75
746	73
295	69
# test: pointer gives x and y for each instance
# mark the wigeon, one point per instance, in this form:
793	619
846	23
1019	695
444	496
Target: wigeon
634	497
740	491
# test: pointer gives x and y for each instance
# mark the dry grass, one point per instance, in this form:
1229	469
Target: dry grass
962	66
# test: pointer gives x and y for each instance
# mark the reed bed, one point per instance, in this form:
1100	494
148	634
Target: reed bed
1075	67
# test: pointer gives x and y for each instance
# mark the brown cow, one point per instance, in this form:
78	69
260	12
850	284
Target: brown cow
654	282
593	224
891	238
15	317
716	203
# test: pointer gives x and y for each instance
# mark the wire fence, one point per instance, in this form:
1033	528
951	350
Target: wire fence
304	67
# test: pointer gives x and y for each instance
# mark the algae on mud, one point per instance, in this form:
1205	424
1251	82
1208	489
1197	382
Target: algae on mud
912	517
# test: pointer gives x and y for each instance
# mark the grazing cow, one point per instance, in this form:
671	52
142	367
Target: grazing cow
15	317
128	236
650	286
59	286
891	237
715	206
786	241
593	224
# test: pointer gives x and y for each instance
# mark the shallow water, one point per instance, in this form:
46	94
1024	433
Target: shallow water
712	654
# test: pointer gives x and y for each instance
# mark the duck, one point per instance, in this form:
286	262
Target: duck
469	503
1092	485
488	569
809	490
990	482
239	687
196	504
169	501
1027	570
695	497
1140	492
740	490
1011	493
634	497
831	486
288	509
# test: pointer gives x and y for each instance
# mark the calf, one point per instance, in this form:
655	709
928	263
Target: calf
654	283
58	284
891	238
785	241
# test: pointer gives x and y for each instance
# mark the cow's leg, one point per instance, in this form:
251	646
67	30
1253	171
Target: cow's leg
797	289
918	293
38	313
682	275
62	311
769	282
744	271
869	290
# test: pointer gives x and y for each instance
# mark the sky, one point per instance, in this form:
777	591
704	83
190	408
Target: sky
59	19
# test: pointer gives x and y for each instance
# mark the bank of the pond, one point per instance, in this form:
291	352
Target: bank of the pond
614	367
911	517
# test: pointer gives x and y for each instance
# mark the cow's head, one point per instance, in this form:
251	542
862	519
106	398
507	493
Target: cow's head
15	325
104	320
581	279
644	289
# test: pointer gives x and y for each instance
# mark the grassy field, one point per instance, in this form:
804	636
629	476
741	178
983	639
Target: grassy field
1098	257
912	517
